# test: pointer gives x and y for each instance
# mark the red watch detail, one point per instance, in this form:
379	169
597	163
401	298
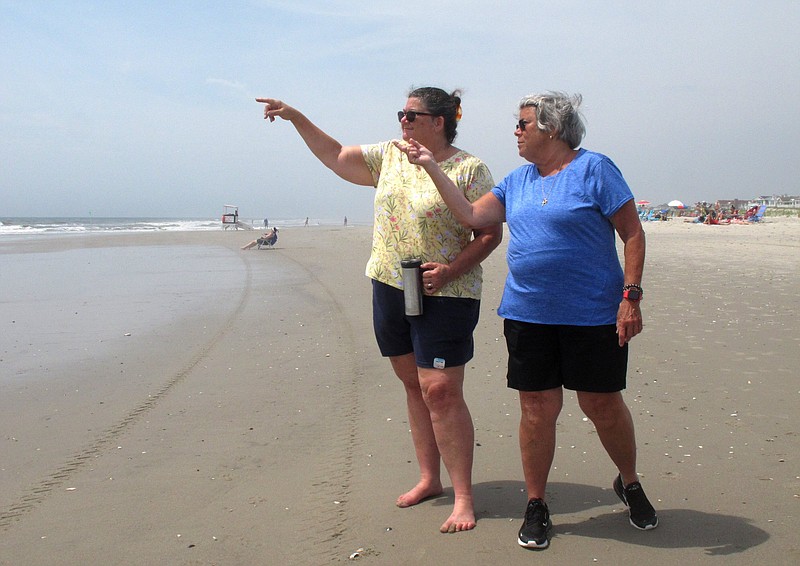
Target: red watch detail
632	294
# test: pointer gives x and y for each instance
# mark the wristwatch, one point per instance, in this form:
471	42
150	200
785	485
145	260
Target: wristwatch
632	292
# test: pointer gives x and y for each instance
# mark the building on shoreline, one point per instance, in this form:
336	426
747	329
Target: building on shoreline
773	201
778	201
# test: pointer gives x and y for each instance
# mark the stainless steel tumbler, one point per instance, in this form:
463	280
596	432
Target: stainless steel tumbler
412	286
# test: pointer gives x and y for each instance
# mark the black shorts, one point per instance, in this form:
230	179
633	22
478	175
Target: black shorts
440	337
579	358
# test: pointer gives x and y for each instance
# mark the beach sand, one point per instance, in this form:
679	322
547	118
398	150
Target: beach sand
166	398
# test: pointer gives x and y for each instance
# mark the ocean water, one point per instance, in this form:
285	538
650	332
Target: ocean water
84	225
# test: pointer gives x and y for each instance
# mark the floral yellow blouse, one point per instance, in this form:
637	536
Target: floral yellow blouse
411	219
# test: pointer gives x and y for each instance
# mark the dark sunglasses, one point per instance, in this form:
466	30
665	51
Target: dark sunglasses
411	115
522	123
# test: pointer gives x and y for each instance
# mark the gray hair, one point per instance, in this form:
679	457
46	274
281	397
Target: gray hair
557	113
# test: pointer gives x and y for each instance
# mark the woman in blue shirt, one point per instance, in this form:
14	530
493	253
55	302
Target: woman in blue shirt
570	309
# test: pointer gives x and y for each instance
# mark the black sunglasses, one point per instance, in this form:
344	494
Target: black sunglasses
411	115
522	123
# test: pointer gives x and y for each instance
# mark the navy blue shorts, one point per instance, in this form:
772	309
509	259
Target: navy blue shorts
579	358
440	337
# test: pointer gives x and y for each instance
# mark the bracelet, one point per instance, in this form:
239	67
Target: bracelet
632	286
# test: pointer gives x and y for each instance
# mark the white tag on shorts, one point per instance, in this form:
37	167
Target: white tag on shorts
438	363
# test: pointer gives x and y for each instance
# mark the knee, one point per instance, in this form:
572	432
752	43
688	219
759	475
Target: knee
410	382
539	408
406	371
441	396
536	420
602	407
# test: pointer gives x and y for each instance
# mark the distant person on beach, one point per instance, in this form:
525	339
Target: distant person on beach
345	221
569	308
266	223
306	222
428	352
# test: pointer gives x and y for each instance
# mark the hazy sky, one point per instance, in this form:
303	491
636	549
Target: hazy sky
146	108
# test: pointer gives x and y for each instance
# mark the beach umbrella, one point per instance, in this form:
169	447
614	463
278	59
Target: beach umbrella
642	202
676	204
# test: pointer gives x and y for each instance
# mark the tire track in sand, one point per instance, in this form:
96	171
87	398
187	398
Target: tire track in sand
332	481
36	494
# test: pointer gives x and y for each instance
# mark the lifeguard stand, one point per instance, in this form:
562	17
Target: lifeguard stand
230	217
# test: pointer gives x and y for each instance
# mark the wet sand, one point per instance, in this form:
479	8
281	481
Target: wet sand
230	407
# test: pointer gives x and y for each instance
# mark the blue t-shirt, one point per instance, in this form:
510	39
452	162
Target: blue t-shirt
562	258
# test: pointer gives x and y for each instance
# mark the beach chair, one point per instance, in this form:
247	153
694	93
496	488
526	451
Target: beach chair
758	215
655	215
269	241
266	242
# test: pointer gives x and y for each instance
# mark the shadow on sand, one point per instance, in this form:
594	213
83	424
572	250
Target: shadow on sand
718	534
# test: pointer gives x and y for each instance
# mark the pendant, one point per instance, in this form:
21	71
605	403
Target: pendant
544	201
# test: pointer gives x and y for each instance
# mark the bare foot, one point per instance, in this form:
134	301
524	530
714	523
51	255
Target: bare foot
462	519
418	493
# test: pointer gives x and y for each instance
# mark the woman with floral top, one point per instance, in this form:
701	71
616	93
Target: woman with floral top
427	352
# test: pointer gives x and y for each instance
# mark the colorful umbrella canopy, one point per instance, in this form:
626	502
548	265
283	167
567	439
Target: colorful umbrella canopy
676	204
642	202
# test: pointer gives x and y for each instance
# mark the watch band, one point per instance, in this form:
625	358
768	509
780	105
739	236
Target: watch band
632	292
632	295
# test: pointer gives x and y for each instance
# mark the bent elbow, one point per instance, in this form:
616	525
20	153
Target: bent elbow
492	235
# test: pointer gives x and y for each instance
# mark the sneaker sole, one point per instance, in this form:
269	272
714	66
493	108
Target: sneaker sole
646	527
533	545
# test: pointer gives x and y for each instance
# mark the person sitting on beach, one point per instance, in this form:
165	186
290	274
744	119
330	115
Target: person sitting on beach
270	238
711	218
267	239
428	352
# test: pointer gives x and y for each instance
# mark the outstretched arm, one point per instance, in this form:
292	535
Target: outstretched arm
345	161
485	211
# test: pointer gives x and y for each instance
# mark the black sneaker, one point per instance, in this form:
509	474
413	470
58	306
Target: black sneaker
533	533
642	514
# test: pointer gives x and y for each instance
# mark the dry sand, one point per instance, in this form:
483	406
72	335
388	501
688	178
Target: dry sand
242	413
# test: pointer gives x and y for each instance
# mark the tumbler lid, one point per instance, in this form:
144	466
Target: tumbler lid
410	263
